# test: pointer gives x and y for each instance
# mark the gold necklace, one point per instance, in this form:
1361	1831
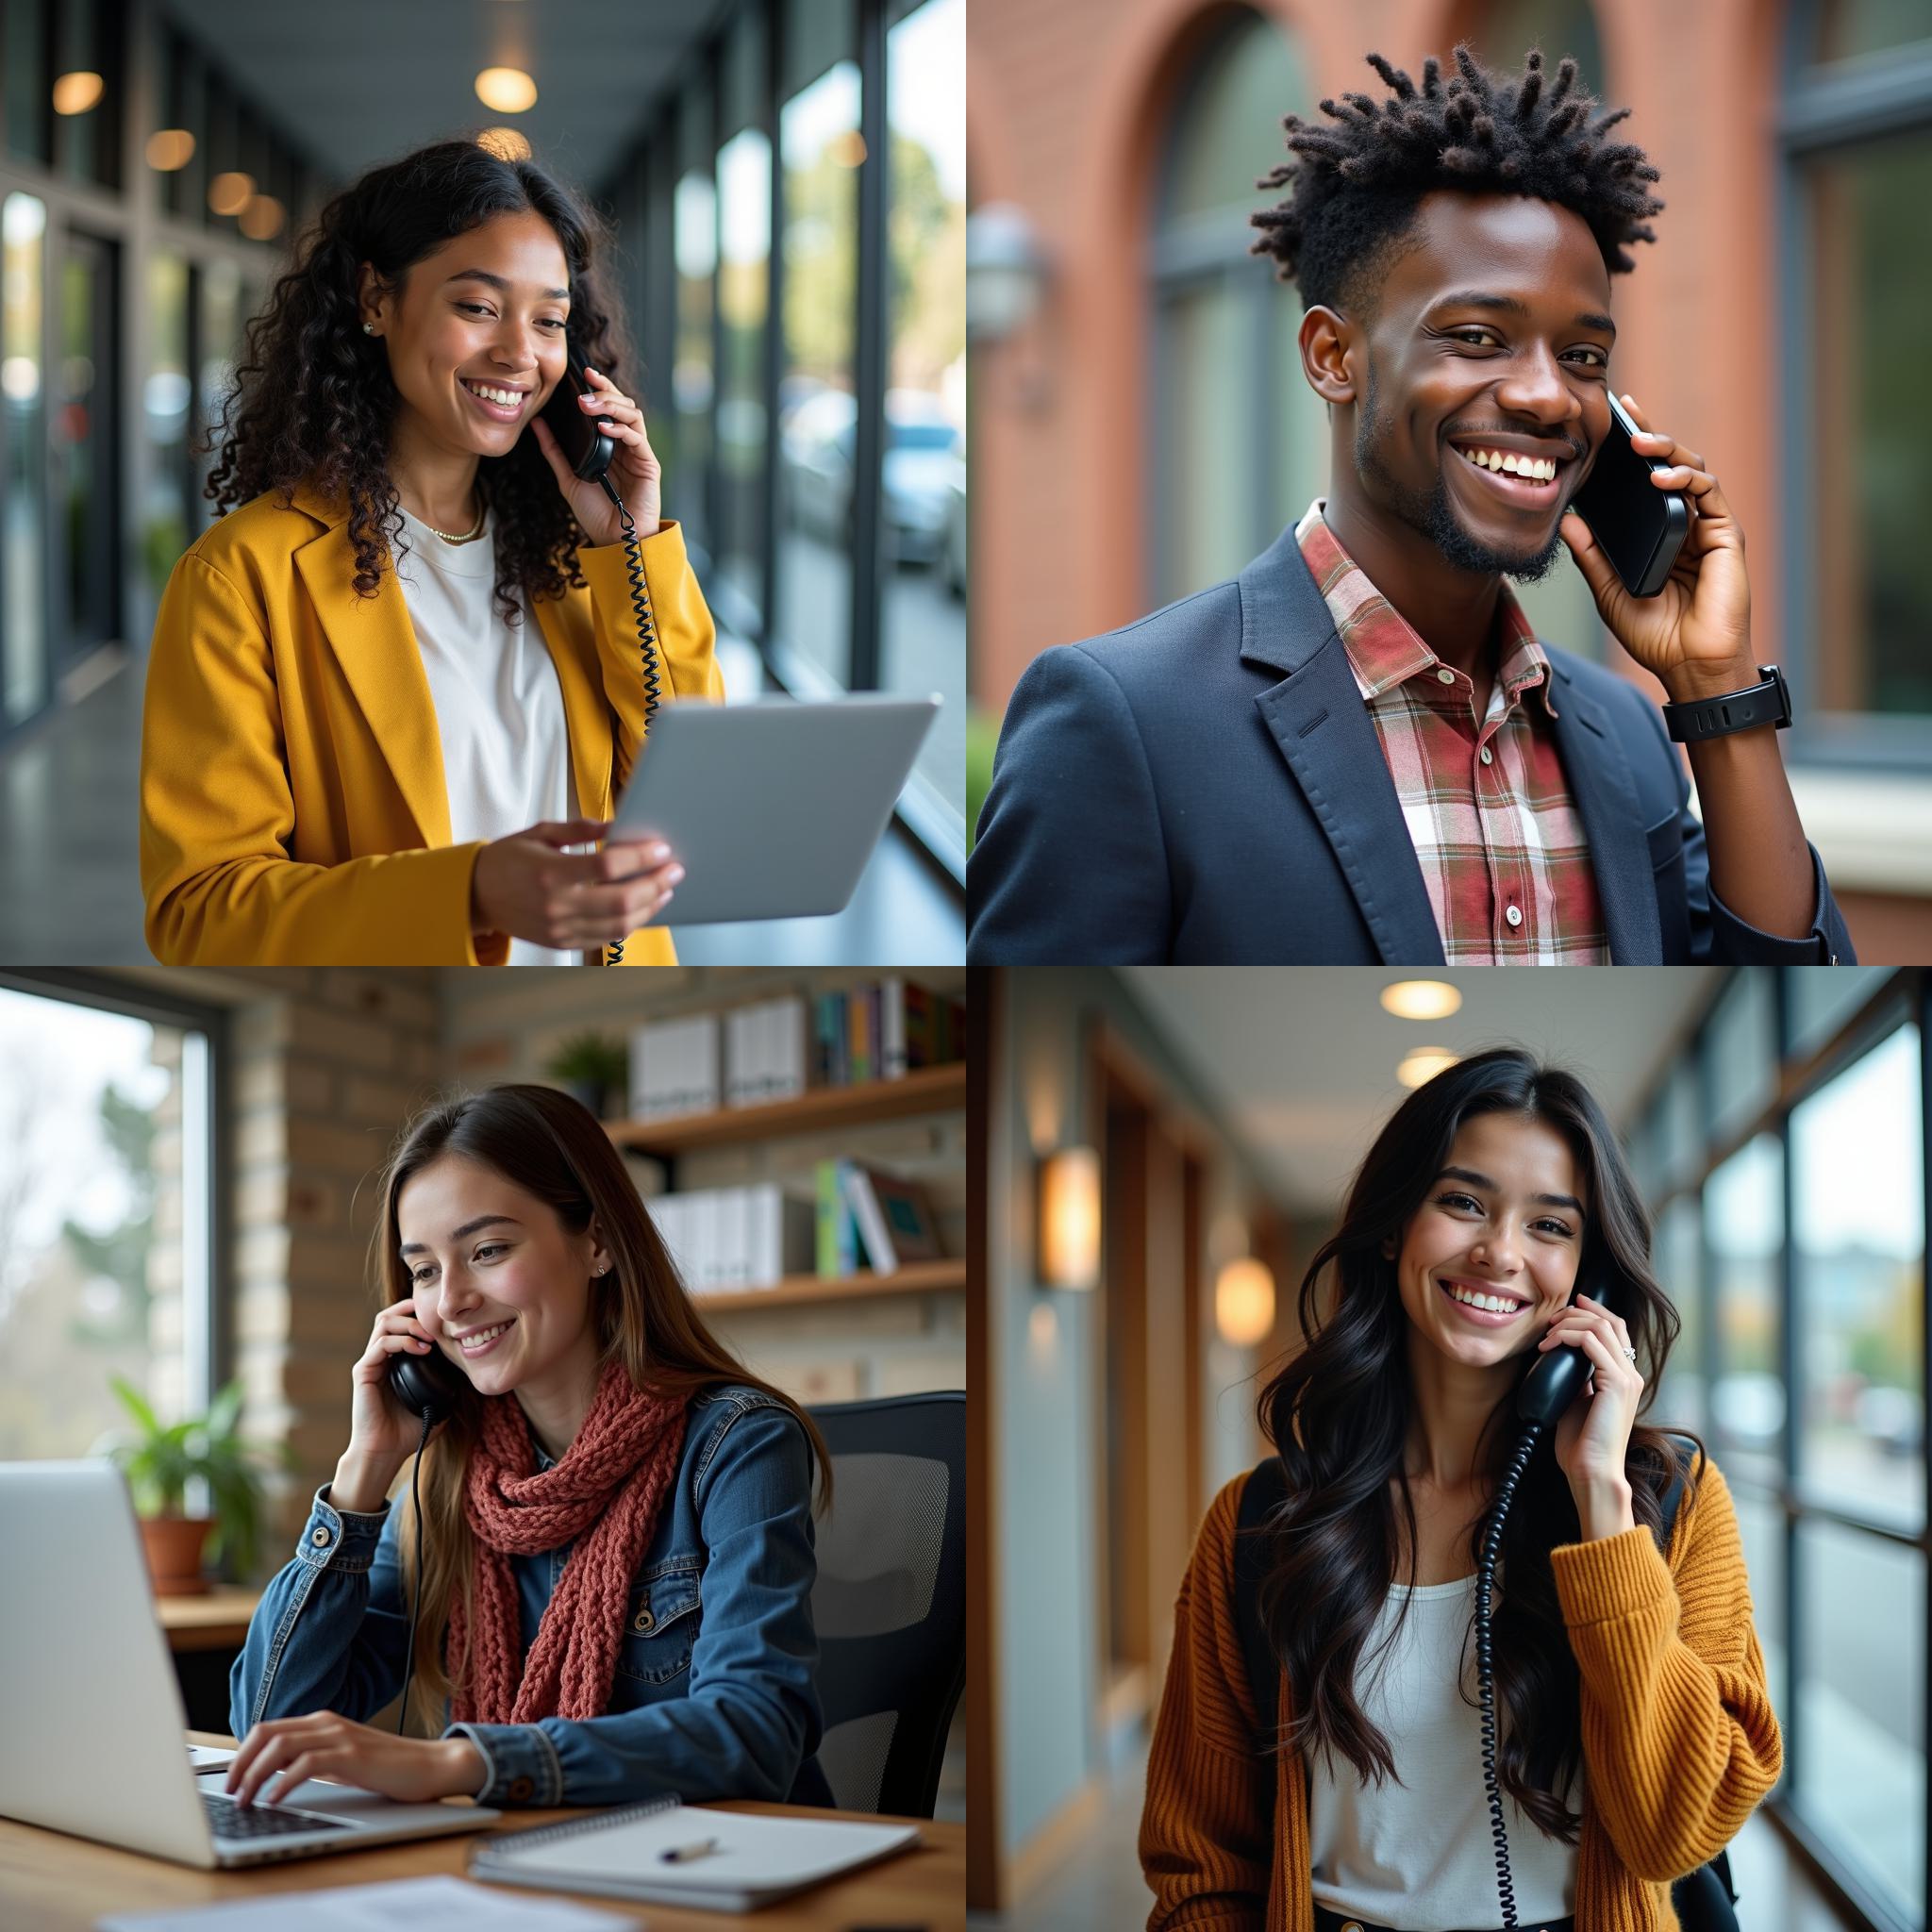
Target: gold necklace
448	539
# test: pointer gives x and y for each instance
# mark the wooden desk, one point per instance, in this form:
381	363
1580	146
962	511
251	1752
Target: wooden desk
55	1883
217	1619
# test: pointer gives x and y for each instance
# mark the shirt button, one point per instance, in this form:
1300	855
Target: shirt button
1446	676
1488	757
1513	914
319	1538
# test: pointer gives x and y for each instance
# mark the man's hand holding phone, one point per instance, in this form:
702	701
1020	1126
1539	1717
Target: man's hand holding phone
1695	633
529	887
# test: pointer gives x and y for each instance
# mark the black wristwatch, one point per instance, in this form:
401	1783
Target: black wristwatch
1769	702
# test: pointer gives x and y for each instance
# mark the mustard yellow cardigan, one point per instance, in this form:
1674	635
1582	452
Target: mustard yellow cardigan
1679	1739
293	810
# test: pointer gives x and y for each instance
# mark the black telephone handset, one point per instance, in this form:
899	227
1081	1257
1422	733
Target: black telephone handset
589	452
1541	1398
427	1387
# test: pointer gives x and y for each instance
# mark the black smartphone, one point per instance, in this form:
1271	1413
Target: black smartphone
425	1385
1551	1385
578	433
1641	528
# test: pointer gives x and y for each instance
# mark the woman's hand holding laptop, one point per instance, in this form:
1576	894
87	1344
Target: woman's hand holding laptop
529	887
415	1769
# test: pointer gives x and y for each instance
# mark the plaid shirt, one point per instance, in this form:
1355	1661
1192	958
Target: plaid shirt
1501	848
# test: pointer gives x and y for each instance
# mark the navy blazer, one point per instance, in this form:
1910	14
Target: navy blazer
1205	786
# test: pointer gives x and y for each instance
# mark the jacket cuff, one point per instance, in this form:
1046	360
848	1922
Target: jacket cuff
1735	939
336	1538
523	1767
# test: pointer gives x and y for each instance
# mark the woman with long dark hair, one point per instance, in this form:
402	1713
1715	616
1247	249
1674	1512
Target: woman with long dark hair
1637	1732
371	757
615	1593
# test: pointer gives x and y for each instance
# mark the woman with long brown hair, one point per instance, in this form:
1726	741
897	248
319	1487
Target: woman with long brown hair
615	1584
1630	1683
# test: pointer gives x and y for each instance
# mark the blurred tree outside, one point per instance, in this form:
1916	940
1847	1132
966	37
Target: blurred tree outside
115	1260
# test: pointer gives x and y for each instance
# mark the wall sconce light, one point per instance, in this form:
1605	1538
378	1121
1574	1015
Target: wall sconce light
1068	1222
1244	1302
1006	272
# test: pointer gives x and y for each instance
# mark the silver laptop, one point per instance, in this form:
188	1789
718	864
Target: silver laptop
773	807
90	1711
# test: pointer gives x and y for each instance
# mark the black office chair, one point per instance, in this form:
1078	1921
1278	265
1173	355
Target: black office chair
890	1603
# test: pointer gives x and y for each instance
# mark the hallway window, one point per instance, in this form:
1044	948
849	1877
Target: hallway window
696	240
23	642
1744	1218
103	1221
168	520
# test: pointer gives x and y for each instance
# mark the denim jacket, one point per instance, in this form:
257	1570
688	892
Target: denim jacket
714	1693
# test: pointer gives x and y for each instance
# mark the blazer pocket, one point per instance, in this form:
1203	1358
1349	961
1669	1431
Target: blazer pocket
1669	880
660	1622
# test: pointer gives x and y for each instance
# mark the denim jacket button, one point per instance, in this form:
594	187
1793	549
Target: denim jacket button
644	1623
319	1538
520	1790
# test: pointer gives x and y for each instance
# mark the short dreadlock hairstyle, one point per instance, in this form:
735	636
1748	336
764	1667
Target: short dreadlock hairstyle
1358	189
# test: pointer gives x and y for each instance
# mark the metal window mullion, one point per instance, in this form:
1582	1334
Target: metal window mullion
869	358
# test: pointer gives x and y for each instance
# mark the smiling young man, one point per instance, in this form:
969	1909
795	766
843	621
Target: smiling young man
1358	750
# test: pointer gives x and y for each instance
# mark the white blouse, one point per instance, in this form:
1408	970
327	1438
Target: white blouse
499	708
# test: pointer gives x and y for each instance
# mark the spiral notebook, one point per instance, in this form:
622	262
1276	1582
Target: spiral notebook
751	1859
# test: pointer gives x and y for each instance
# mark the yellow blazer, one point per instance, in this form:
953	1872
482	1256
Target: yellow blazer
293	810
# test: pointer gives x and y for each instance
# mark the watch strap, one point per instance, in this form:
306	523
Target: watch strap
1766	703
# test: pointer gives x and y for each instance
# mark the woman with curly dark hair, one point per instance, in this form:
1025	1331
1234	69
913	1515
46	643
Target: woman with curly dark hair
340	768
1638	1731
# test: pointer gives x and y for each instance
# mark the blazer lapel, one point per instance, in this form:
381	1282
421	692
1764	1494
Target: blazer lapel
376	648
1318	721
1605	793
586	715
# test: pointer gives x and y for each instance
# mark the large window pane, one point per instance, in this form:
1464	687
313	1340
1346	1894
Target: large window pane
93	1257
692	385
1819	999
1850	30
1741	1043
922	618
1743	1221
1860	1243
1676	1259
1861	1775
820	147
744	215
24	642
1871	500
167	519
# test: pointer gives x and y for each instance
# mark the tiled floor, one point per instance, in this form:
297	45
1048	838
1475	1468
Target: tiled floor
1096	1887
70	881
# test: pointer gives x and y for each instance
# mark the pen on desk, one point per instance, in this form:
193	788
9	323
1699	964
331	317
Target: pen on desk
678	1854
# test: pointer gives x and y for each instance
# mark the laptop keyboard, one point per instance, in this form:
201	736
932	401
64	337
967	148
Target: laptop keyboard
227	1819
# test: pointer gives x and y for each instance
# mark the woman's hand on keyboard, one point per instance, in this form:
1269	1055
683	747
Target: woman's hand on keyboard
288	1749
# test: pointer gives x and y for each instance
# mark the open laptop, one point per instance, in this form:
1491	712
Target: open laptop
94	1731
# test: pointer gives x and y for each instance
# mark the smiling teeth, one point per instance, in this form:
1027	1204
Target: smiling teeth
470	1343
1538	469
509	397
1495	1303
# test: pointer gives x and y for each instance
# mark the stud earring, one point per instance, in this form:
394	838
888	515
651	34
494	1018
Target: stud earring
367	329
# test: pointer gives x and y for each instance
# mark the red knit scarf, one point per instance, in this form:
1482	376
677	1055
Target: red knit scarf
613	1481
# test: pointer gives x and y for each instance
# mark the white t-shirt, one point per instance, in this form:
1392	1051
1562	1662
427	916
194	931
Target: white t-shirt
499	708
1419	1854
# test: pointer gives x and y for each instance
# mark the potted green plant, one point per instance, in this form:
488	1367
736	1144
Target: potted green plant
591	1066
159	1462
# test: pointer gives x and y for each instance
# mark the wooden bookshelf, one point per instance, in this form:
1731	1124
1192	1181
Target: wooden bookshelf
924	1090
916	1278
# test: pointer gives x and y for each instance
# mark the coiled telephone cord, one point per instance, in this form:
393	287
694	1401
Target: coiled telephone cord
647	643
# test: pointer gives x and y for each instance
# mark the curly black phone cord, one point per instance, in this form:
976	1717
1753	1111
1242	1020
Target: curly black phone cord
1485	1574
647	641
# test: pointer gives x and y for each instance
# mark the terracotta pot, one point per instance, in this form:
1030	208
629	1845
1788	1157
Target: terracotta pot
174	1552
